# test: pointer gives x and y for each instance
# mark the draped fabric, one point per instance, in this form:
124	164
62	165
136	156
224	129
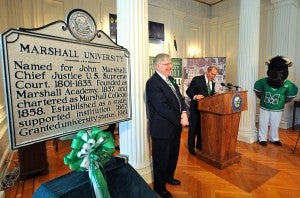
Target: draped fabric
122	179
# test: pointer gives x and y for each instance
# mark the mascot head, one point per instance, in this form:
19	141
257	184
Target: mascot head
278	71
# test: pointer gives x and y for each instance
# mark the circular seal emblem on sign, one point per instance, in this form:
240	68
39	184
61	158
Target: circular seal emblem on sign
236	102
81	25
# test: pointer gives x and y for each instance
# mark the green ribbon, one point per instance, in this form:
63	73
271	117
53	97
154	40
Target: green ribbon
91	150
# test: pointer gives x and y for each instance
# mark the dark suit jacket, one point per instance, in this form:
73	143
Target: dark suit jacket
198	86
163	107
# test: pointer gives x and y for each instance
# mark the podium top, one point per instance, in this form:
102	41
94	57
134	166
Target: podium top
224	103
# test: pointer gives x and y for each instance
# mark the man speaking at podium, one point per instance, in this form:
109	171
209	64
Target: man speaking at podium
200	87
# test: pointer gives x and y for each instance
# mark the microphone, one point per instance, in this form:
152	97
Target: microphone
224	85
235	86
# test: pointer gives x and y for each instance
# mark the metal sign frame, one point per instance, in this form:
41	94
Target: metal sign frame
61	78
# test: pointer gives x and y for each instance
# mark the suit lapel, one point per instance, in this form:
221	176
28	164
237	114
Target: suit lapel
168	90
165	86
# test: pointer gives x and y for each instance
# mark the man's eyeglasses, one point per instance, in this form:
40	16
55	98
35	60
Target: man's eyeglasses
165	64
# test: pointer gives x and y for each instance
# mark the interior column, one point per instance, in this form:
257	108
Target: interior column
132	33
248	65
284	43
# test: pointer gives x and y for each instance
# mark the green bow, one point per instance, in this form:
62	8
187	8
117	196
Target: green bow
91	151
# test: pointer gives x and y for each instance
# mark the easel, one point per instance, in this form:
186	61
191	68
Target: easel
296	105
296	142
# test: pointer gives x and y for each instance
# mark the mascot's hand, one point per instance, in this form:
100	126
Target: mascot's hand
288	99
258	94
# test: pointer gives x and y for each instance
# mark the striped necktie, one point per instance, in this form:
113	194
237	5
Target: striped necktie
174	91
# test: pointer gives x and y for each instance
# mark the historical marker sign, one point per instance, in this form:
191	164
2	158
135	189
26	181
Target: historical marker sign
61	78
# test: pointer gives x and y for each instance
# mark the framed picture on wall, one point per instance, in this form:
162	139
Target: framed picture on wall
113	26
156	31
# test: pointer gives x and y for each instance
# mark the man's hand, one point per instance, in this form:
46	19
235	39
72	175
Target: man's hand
184	119
199	97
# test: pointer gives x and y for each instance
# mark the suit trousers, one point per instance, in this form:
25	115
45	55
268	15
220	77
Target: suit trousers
165	155
194	133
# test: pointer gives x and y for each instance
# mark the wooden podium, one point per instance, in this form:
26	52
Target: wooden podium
220	118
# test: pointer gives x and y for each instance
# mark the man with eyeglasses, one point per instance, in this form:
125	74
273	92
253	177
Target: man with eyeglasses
167	114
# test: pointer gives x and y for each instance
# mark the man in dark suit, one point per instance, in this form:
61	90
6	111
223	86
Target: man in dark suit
200	87
167	114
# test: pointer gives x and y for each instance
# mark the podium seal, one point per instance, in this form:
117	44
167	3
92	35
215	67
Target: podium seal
81	25
236	102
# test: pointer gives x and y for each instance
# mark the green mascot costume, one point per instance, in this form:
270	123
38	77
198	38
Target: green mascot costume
274	91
